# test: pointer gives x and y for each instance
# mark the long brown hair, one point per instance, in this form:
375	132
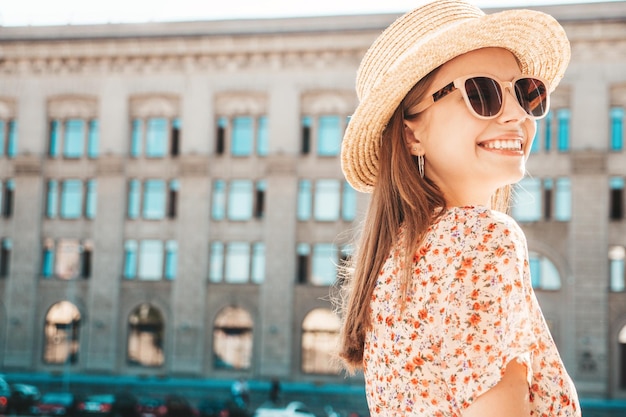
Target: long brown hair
400	197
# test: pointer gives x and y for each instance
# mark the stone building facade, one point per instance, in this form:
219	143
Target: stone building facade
175	189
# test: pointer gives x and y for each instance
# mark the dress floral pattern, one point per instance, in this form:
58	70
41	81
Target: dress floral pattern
470	310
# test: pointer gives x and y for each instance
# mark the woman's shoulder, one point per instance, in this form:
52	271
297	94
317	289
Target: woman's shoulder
478	221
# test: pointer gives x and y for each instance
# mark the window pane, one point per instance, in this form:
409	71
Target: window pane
243	136
216	266
527	207
563	116
262	136
348	205
136	138
55	136
92	199
171	259
328	135
550	278
67	262
150	260
617	128
93	141
563	200
134	194
53	199
218	206
71	199
12	145
616	259
258	263
240	200
73	146
156	138
154	199
130	259
324	264
327	199
47	264
305	200
535	270
237	262
547	131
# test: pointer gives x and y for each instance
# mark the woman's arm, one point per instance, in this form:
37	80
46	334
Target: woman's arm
510	397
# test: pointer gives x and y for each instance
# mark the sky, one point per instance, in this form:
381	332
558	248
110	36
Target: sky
62	12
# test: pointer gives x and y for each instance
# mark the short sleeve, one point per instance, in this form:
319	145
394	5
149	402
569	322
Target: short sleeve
488	321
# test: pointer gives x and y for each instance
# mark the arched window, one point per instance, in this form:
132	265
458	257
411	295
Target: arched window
543	273
232	339
320	331
145	336
61	333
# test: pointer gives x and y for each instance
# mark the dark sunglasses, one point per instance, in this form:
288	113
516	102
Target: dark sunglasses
484	95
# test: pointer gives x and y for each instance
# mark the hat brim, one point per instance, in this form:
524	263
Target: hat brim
536	39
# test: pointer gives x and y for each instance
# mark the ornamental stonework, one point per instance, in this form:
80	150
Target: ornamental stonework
7	108
72	107
328	102
155	105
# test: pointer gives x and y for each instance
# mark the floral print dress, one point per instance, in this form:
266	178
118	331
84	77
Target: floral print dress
470	310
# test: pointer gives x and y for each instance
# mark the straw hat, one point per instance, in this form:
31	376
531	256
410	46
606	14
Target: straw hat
422	40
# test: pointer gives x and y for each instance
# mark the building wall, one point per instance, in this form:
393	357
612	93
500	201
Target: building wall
284	69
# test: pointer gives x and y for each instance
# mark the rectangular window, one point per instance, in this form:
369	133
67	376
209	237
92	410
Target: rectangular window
74	141
91	202
240	200
218	203
262	136
216	263
259	200
237	262
85	271
175	142
130	259
52	199
616	268
258	262
327	200
303	252
527	207
243	136
328	135
156	137
71	199
171	259
47	262
12	145
5	257
617	128
305	145
348	203
150	266
136	140
616	198
7	196
324	268
305	200
93	139
563	116
220	137
172	199
154	199
55	138
563	200
3	137
67	262
547	131
548	185
535	271
134	199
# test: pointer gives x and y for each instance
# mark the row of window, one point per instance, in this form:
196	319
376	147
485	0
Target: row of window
537	199
232	338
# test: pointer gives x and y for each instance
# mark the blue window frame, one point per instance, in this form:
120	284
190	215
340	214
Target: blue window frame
171	259
93	139
52	199
242	136
216	263
130	259
74	141
617	128
47	263
218	204
305	200
563	116
8	138
348	203
527	207
71	199
55	138
150	260
136	139
616	268
134	198
327	200
156	137
547	131
262	136
563	200
237	268
543	273
258	262
324	268
328	135
154	199
240	200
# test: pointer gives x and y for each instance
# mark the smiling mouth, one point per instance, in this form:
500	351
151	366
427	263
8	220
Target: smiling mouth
503	144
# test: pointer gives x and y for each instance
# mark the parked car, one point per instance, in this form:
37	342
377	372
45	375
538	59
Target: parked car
170	406
122	404
22	399
214	408
293	409
56	404
5	394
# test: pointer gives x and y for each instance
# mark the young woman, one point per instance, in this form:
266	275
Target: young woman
439	309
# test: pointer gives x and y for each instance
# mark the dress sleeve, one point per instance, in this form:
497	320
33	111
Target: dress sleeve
487	322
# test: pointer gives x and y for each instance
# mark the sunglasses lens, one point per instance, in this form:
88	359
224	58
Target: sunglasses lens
484	95
532	95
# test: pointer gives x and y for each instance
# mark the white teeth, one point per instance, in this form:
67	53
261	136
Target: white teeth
504	144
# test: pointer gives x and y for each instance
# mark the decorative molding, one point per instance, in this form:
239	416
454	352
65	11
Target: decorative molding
7	108
191	166
329	102
155	105
110	165
234	103
281	165
27	165
66	107
589	162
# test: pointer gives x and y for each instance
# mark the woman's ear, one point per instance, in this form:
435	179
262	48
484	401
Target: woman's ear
412	141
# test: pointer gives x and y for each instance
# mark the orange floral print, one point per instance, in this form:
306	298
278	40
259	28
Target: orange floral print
470	311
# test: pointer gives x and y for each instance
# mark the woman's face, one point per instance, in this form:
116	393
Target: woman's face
469	158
